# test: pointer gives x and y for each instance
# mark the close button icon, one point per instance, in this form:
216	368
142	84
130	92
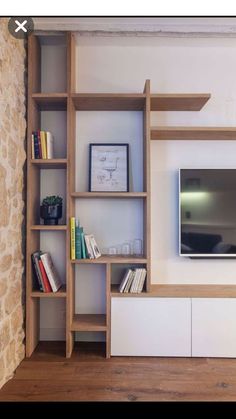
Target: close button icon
20	27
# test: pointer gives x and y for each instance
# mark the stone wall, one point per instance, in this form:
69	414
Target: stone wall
12	207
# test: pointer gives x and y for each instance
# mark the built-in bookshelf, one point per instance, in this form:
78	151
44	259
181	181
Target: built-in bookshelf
54	105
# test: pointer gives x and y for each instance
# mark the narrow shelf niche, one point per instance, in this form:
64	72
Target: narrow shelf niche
52	59
109	127
112	222
117	274
89	320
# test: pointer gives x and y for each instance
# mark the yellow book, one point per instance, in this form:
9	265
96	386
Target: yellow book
72	238
43	144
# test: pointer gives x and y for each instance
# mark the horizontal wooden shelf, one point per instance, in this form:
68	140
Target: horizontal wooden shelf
49	163
193	133
109	101
194	291
61	293
116	293
181	291
48	228
50	101
89	323
125	195
179	102
111	259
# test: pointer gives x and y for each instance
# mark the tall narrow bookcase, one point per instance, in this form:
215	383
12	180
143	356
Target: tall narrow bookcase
52	106
44	98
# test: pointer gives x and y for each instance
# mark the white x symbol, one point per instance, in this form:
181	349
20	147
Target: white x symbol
20	26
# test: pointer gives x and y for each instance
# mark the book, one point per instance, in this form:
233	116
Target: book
72	238
96	251
43	144
89	247
78	240
51	272
125	279
35	258
46	283
32	147
39	144
83	247
36	145
49	145
129	282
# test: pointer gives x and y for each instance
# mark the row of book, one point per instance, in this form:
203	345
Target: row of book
133	280
45	272
42	145
82	246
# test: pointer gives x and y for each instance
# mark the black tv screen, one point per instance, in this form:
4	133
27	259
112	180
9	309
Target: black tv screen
207	207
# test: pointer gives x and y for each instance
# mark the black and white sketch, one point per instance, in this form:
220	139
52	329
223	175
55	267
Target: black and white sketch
109	167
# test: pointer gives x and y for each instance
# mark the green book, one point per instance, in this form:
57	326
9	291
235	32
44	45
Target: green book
84	255
78	242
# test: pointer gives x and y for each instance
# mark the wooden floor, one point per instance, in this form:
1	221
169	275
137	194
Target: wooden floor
88	376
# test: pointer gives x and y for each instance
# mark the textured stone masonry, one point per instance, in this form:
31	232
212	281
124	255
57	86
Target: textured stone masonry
12	159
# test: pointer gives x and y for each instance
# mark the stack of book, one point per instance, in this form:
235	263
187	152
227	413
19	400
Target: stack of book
42	145
46	274
133	280
82	246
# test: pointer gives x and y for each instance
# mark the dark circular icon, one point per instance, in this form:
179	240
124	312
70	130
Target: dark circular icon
20	27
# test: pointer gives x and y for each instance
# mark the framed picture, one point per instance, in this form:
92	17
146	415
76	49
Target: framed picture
108	167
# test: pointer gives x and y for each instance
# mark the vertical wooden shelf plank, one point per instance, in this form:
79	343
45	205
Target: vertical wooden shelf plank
147	182
108	310
33	193
71	123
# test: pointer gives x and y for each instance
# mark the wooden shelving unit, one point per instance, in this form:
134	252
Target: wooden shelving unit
69	101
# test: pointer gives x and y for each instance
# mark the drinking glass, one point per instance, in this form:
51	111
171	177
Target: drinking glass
112	250
138	247
125	249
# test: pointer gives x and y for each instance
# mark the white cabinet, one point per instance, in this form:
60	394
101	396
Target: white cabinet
151	326
214	327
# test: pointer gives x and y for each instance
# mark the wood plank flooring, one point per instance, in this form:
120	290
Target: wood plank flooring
89	376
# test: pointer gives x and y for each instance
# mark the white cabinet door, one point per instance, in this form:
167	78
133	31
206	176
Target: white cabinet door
151	326
214	327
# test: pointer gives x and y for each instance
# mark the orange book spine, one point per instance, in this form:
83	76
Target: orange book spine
46	283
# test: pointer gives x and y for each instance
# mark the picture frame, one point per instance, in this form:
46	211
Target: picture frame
108	167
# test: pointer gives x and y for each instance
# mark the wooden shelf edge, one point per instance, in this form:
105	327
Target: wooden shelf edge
48	228
125	195
89	323
59	294
49	163
109	101
193	291
179	101
111	259
193	133
115	293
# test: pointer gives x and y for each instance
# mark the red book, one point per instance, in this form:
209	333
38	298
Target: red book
46	283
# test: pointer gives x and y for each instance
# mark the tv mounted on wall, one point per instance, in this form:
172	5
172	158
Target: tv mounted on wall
207	209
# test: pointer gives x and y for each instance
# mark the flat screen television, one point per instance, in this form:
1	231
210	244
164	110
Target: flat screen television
207	209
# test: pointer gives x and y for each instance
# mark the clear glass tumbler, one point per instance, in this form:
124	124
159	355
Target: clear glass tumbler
138	247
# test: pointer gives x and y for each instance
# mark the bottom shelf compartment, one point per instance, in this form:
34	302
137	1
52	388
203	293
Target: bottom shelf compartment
89	323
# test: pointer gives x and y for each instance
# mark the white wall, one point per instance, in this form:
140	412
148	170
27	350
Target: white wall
122	64
173	65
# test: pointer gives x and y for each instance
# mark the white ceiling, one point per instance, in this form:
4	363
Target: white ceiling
161	26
